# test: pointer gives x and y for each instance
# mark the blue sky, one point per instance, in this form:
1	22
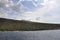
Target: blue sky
15	1
29	4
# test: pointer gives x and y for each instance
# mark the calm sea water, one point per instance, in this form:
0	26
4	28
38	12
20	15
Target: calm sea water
31	35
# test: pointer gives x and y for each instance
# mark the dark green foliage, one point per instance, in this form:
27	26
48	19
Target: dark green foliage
14	25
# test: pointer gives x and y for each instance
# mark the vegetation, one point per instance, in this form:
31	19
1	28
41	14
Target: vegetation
14	25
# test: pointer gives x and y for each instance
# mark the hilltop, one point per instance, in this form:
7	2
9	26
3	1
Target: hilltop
15	25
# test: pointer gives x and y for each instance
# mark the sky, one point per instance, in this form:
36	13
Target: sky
45	11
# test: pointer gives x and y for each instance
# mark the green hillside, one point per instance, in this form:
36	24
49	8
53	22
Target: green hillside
14	25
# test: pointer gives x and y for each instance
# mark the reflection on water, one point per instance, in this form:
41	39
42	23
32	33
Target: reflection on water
31	35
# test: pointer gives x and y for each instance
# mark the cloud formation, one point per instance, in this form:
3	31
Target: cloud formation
10	10
48	8
47	14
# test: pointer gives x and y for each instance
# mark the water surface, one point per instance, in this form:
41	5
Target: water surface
31	35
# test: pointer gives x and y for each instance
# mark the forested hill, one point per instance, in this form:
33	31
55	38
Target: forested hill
14	25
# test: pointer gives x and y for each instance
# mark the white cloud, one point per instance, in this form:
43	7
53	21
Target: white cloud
31	16
6	6
3	13
43	10
49	6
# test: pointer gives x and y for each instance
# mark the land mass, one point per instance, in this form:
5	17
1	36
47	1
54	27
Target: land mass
15	25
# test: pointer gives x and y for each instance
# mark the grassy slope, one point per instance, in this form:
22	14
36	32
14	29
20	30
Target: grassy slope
13	25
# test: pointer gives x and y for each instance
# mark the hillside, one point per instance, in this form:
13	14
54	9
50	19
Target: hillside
14	25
